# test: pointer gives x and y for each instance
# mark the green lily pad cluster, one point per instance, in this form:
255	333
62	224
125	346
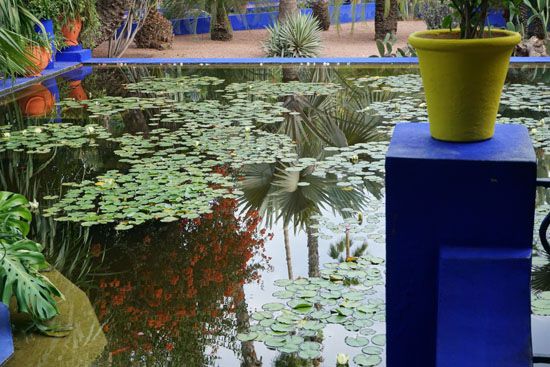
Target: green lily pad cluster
539	130
402	83
44	138
540	303
527	97
110	105
266	89
171	176
174	85
306	305
367	226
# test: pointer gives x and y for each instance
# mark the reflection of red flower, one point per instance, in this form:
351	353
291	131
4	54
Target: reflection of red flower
180	293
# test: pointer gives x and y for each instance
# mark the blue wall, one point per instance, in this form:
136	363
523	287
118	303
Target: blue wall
241	22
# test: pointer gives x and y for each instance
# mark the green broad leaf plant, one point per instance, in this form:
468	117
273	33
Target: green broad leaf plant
472	17
21	261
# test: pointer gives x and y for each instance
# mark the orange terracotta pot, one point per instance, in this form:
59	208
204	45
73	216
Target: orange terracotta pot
40	57
71	30
77	91
36	101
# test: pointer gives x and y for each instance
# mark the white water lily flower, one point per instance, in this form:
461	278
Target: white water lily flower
7	135
342	358
38	130
90	129
34	204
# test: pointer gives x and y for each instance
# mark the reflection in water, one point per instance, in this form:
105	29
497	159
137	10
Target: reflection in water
36	101
81	347
174	294
177	293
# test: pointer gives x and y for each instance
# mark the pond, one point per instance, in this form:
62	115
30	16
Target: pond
226	216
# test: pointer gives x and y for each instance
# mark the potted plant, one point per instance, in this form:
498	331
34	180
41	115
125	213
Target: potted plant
45	11
79	19
463	72
23	50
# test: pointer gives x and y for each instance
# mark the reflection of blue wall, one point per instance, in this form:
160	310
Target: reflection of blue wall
241	22
77	74
496	19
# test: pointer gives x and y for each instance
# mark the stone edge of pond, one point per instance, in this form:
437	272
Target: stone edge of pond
10	85
285	60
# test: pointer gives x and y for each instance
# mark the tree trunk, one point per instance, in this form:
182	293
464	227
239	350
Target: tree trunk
111	13
384	25
537	29
320	12
312	250
287	8
221	30
288	253
250	359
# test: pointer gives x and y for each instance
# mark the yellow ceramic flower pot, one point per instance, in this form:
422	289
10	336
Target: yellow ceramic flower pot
463	80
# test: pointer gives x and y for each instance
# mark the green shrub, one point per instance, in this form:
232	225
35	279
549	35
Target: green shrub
21	261
298	36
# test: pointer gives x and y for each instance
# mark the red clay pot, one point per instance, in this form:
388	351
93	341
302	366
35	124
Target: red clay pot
71	30
40	57
36	101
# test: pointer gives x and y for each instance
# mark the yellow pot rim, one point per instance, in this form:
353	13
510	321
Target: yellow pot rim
507	39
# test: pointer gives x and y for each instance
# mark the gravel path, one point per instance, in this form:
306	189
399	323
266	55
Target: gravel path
359	43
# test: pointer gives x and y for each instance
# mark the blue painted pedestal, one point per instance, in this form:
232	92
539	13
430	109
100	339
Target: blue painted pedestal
459	223
6	341
48	27
74	54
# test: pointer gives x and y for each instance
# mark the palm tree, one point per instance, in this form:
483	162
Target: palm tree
111	13
385	18
221	27
321	12
297	197
286	8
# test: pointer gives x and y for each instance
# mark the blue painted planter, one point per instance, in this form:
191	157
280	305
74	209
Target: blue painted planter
241	22
48	26
6	340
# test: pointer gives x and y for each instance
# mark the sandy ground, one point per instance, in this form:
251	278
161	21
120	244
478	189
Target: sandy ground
342	43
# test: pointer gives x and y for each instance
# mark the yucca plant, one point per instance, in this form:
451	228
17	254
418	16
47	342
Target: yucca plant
298	36
21	261
17	33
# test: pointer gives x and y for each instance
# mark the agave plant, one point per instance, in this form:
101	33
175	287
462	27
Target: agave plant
298	36
21	261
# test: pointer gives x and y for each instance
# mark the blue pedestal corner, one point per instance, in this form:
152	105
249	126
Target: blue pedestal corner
74	54
459	231
484	311
6	340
